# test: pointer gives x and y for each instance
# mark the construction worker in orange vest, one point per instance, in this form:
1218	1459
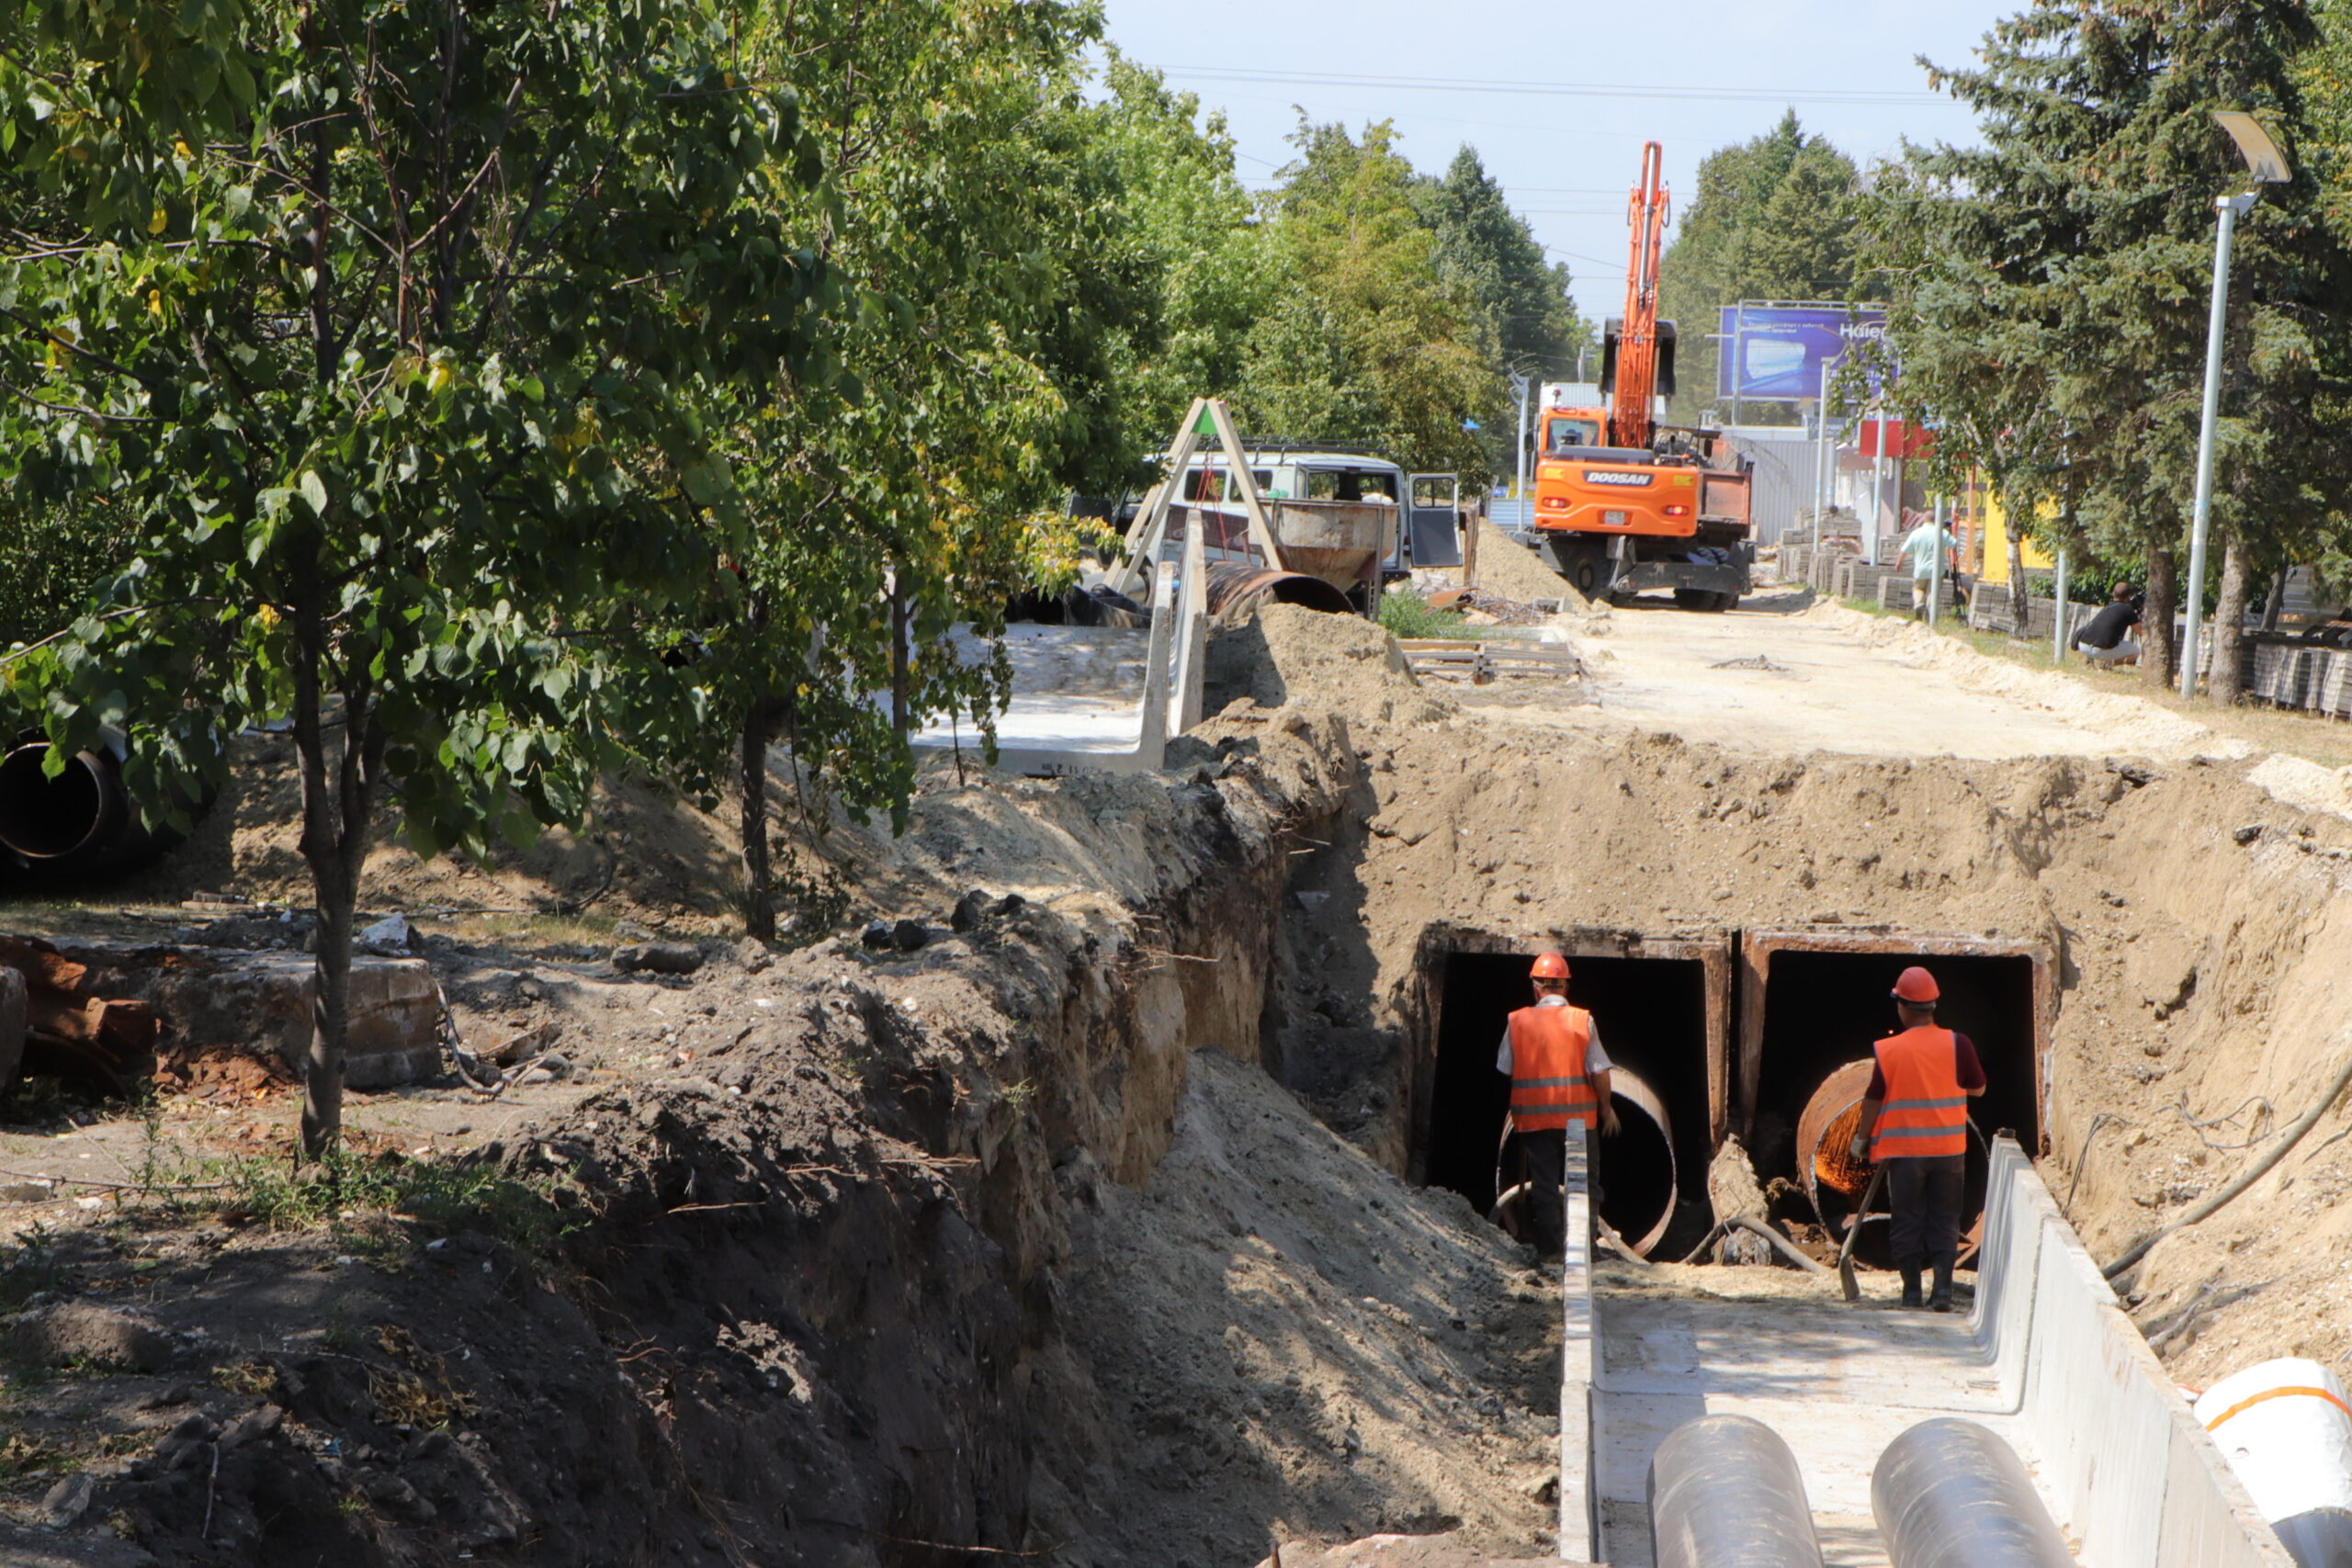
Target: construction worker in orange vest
1559	1075
1915	1121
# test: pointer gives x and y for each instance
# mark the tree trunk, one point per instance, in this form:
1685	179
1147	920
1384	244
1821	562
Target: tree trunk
2020	603
2156	650
899	717
330	1017
752	777
2227	682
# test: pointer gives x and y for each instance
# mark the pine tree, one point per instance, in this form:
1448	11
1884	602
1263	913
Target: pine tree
2051	283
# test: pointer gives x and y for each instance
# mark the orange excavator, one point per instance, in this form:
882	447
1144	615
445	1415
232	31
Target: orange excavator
1624	503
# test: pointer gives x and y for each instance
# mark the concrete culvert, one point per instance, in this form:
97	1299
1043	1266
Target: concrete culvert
1651	1017
79	822
1805	1052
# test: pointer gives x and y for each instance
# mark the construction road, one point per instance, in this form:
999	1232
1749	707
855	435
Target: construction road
1775	676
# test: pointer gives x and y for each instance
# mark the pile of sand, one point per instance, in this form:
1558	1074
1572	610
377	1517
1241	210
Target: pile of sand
1510	569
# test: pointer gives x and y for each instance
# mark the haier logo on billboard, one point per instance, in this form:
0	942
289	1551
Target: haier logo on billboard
1615	477
1779	351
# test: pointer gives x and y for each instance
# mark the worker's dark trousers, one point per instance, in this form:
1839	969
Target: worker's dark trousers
1548	1206
1925	1197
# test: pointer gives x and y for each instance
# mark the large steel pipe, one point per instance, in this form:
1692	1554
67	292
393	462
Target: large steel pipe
1235	590
1834	1179
1950	1493
81	820
1639	1183
1725	1492
1635	1171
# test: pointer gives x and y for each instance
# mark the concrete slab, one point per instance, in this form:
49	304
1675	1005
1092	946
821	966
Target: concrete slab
2044	1358
1838	1383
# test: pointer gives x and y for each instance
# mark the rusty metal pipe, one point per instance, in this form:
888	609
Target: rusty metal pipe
1639	1182
1235	590
1834	1179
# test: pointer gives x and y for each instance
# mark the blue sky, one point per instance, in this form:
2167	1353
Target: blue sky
1721	73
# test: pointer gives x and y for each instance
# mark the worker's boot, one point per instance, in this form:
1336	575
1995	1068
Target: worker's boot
1940	1299
1910	1283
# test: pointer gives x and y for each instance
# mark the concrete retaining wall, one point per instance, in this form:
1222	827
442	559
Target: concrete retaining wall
2137	1482
1579	1363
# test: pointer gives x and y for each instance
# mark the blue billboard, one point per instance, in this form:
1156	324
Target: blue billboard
1778	351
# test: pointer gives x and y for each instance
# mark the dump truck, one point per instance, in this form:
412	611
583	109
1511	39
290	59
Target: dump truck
1625	503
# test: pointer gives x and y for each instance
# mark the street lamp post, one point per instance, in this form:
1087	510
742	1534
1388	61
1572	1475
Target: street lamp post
2269	166
1521	387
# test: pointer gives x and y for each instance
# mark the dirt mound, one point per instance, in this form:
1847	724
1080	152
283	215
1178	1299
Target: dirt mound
1286	1338
1510	569
1311	662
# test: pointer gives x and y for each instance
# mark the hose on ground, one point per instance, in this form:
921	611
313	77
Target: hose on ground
2251	1174
1781	1244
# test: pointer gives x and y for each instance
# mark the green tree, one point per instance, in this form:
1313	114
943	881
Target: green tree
1205	256
2069	256
972	209
1366	342
1772	219
401	390
50	559
1487	251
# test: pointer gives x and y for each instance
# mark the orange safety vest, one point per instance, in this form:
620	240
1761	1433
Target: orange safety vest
1548	1087
1925	1113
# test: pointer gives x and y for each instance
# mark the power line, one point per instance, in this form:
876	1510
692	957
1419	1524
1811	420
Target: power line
1556	89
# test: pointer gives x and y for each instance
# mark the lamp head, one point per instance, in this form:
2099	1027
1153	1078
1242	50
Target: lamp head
2254	144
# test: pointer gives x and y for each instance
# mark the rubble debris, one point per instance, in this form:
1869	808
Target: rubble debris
66	1502
1733	1191
894	936
73	1028
390	934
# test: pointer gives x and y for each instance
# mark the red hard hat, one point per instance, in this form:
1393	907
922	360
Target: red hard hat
1916	985
1549	966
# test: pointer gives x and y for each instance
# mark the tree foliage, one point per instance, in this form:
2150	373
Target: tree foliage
387	328
1488	253
1772	219
2051	289
1366	341
969	208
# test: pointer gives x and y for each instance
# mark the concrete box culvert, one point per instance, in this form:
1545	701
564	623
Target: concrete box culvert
1811	1005
1662	1007
1721	1029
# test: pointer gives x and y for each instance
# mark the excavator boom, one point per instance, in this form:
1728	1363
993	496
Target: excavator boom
1621	504
1635	385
